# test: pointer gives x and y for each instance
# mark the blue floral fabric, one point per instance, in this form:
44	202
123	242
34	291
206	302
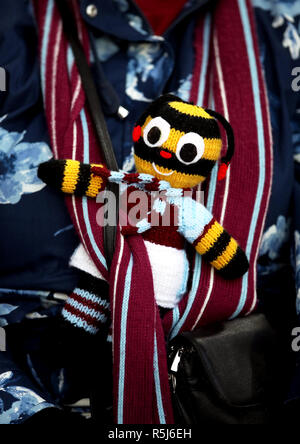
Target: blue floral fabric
274	240
18	402
278	24
18	166
279	263
36	234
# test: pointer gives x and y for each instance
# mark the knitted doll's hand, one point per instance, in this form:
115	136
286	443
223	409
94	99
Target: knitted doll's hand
211	240
74	177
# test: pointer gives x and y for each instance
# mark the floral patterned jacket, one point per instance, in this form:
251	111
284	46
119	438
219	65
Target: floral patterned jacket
36	234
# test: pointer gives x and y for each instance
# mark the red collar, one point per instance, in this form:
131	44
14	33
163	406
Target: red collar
160	13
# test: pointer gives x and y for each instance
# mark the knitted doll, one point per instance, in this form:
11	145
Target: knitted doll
176	145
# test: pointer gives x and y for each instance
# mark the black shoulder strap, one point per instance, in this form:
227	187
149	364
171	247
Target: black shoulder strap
97	115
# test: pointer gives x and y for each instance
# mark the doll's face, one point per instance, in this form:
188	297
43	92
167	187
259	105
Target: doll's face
177	142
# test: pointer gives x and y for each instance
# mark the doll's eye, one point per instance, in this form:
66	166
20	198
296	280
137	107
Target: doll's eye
190	148
156	132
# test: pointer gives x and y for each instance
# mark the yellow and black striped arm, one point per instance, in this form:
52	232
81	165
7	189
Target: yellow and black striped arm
73	177
222	251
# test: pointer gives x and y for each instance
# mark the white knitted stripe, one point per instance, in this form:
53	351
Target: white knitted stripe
116	176
89	311
54	89
75	320
91	297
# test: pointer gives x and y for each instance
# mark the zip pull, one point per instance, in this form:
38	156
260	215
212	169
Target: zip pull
174	368
175	364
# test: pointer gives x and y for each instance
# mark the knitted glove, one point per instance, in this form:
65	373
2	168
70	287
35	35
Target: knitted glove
87	308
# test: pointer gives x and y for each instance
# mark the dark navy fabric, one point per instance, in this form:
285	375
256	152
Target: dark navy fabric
37	237
278	24
20	397
36	234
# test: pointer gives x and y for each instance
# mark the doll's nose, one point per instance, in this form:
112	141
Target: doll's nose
165	154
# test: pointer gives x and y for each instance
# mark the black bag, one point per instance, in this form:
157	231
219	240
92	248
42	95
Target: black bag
226	374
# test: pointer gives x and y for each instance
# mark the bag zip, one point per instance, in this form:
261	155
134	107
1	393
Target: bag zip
174	367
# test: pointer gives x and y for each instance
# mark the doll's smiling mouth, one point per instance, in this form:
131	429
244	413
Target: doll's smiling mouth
159	172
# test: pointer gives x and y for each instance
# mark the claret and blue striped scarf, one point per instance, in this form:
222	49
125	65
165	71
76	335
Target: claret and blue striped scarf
227	77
